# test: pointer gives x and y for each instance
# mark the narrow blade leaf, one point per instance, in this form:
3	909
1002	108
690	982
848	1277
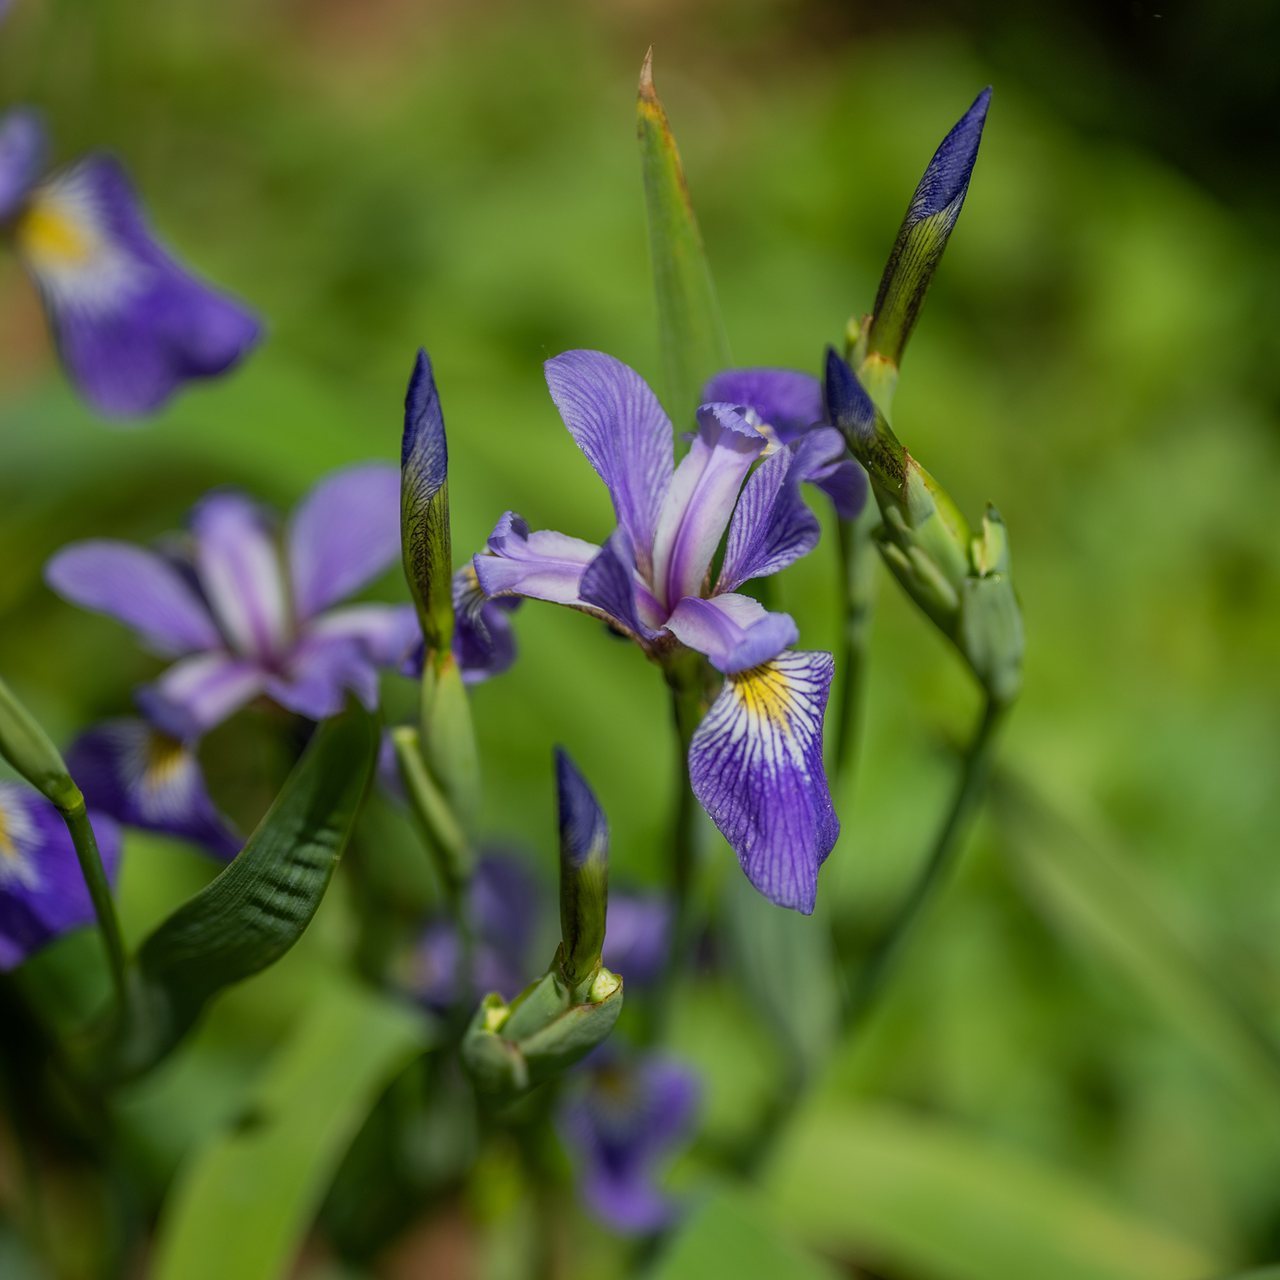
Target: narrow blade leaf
248	917
691	333
243	1203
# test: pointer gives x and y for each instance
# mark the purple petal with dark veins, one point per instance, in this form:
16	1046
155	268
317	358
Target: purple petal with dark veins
735	632
785	399
42	889
755	765
144	778
343	534
609	583
772	526
318	672
544	565
198	693
23	143
701	500
131	324
637	936
618	423
137	587
239	569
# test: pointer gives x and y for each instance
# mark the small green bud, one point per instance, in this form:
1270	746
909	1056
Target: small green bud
991	635
26	746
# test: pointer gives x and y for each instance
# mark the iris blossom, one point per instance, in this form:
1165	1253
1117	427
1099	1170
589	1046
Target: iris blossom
243	620
42	889
755	761
621	1126
637	936
131	324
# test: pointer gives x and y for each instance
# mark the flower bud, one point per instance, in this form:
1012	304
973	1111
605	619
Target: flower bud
584	871
26	746
991	634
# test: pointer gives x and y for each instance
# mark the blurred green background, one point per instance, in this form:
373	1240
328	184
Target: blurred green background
1098	356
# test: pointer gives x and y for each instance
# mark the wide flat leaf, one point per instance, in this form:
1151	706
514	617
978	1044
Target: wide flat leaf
1097	895
249	916
927	1198
691	332
731	1237
242	1204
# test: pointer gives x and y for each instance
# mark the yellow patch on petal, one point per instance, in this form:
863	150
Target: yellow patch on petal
766	693
165	759
7	847
51	236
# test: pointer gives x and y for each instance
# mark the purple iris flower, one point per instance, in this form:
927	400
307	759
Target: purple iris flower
131	324
502	907
755	762
42	890
144	778
621	1127
242	619
637	936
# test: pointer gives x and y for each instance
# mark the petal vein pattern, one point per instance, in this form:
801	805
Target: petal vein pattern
755	764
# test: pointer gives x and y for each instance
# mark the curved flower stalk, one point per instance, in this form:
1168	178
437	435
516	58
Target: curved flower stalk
241	618
625	1123
42	887
755	761
143	777
131	324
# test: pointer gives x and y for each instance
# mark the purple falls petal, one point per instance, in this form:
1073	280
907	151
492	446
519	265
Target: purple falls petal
23	143
198	693
239	569
543	565
137	587
42	889
637	936
343	534
735	632
701	500
786	400
144	778
846	484
755	764
618	423
317	674
131	324
484	643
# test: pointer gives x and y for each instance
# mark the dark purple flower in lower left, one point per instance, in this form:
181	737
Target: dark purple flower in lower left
42	890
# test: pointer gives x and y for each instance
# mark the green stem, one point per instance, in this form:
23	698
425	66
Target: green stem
858	581
889	947
95	877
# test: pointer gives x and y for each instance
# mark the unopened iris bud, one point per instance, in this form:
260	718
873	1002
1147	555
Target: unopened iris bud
26	746
921	240
584	872
424	508
991	632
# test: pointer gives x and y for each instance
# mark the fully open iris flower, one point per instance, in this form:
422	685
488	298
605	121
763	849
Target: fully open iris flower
42	889
755	762
243	619
131	324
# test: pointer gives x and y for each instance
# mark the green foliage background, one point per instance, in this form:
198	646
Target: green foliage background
377	176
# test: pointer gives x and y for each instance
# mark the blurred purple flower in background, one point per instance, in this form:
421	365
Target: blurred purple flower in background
755	762
241	619
625	1122
42	889
637	936
144	778
130	323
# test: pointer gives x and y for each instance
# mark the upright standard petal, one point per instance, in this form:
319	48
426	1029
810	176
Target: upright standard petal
616	420
735	632
543	565
144	778
785	400
198	693
136	587
483	641
42	889
23	143
701	500
343	534
239	568
131	324
755	764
